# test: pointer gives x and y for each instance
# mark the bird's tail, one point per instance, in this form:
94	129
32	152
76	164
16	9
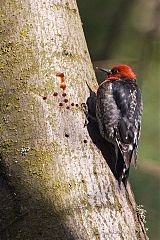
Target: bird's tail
126	151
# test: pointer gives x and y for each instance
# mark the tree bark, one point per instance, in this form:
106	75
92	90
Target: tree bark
55	183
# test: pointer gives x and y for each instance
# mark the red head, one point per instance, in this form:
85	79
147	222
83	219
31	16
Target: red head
120	71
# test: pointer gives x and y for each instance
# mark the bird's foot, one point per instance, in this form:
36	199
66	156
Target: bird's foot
85	110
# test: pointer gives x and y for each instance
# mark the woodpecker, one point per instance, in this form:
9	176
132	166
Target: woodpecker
118	112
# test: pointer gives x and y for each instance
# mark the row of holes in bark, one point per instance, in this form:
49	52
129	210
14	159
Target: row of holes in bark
67	136
64	101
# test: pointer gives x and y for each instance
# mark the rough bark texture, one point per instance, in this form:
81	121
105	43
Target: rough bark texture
55	184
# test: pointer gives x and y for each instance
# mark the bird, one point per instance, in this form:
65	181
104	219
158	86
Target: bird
119	110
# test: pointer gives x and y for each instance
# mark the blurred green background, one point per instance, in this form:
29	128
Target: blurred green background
123	31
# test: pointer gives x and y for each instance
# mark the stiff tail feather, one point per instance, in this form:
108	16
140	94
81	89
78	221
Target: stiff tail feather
126	151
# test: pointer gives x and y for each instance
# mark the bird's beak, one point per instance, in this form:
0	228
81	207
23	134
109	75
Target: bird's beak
108	71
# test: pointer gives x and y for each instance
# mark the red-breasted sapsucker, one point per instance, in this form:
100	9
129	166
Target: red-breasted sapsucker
118	112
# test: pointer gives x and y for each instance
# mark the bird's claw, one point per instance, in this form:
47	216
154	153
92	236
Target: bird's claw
85	110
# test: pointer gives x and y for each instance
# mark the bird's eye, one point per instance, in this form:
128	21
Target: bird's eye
114	71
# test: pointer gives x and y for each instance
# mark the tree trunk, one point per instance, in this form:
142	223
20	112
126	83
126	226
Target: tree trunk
55	183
